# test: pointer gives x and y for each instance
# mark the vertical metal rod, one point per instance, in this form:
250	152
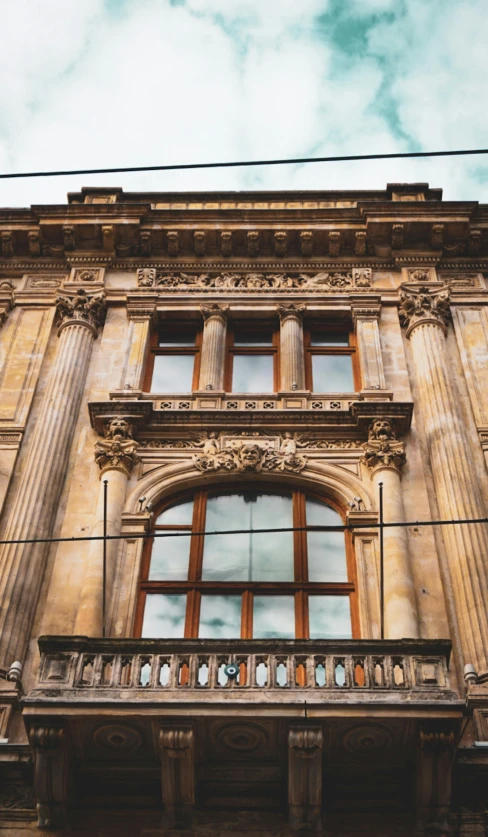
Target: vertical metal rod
382	567
105	487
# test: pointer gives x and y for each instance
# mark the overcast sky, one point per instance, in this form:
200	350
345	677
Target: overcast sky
93	83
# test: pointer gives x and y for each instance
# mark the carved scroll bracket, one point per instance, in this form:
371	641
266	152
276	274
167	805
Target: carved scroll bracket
50	774
177	747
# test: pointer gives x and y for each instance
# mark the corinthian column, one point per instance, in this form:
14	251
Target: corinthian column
292	359
385	457
213	347
115	454
424	312
366	315
36	501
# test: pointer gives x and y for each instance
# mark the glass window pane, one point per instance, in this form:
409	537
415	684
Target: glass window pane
331	338
326	550
182	337
164	615
330	617
332	373
274	617
248	557
179	515
170	559
173	373
252	373
220	617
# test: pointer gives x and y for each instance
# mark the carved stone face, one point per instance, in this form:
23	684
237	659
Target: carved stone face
119	427
249	455
382	430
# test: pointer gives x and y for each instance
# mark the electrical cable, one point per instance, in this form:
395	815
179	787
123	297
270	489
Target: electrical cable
188	534
246	163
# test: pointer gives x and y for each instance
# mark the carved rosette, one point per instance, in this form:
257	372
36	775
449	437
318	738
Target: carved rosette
424	306
382	450
81	308
117	451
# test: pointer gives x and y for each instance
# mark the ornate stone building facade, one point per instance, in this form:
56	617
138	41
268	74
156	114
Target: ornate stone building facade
175	365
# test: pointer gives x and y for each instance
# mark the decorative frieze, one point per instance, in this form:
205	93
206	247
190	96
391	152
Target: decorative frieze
322	282
303	440
423	305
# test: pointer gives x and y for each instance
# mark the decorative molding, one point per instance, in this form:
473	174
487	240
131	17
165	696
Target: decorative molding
44	281
320	282
81	307
382	450
91	275
422	306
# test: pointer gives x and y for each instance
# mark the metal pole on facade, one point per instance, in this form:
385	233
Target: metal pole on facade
382	567
105	487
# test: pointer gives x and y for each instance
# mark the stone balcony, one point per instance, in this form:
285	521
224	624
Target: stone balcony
290	719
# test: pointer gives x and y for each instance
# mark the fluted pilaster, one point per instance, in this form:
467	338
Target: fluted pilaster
116	457
213	347
36	501
141	313
424	312
292	359
385	456
366	316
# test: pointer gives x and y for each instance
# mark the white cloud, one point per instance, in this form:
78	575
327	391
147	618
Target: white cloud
239	79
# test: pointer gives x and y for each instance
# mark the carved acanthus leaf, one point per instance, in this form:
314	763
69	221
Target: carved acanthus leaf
81	306
424	304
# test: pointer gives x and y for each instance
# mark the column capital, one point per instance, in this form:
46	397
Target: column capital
117	450
215	310
424	305
382	450
81	308
292	309
141	306
365	308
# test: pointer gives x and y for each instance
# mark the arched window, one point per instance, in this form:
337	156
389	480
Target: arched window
269	585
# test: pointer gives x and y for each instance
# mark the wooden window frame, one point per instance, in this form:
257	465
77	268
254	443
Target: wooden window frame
251	329
300	588
311	350
155	349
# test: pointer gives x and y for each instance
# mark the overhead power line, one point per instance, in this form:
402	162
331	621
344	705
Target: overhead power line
240	163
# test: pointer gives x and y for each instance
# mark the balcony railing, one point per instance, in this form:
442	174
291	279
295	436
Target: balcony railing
242	670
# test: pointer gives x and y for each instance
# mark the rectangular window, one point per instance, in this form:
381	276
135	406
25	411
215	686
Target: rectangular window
252	359
330	358
174	360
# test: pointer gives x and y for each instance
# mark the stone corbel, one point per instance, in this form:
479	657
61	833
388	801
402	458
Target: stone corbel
51	766
435	755
177	748
305	778
6	299
117	450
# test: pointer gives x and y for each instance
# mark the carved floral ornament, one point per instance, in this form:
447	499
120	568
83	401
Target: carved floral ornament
247	454
322	282
118	449
423	305
382	450
81	307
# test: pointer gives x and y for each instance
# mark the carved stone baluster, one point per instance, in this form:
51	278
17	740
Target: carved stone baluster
116	456
50	775
385	456
177	748
425	314
36	502
213	347
291	347
305	778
